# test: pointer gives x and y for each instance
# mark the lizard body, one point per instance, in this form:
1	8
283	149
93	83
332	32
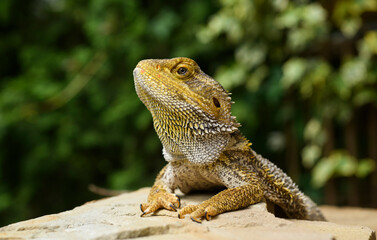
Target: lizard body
204	147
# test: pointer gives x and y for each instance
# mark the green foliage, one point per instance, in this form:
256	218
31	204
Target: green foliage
340	163
69	115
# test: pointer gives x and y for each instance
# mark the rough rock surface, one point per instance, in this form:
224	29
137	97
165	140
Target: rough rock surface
118	218
352	216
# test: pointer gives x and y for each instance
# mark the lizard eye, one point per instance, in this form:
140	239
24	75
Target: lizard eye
182	71
216	102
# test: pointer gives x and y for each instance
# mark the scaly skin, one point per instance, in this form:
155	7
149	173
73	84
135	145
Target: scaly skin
204	148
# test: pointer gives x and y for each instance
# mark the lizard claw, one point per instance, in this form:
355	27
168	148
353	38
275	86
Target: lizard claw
196	220
207	216
179	200
210	212
141	208
172	207
144	208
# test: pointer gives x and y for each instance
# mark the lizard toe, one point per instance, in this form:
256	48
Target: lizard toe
164	203
197	214
210	212
151	207
187	210
144	206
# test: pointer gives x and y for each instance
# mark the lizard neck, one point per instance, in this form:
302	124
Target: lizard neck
184	138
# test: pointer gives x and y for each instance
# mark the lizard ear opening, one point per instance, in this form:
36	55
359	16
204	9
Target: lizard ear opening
216	102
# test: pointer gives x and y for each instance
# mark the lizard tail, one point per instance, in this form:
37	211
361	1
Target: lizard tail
312	210
282	191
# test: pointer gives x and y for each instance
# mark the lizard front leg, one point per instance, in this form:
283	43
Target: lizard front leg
160	196
227	200
248	192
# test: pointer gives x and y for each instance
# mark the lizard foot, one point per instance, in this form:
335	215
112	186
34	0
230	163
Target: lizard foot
197	212
161	200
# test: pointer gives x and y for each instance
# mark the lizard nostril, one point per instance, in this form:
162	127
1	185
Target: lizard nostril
158	66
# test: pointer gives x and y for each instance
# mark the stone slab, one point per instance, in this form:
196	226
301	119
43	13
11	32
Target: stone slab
119	218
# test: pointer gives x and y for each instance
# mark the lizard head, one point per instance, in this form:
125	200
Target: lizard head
191	111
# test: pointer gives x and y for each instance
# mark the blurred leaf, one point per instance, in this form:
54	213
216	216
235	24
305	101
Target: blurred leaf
368	45
289	18
364	97
346	164
293	71
276	141
353	72
313	130
340	163
323	171
256	78
350	26
251	56
310	154
347	14
365	167
315	79
280	5
219	24
314	14
231	77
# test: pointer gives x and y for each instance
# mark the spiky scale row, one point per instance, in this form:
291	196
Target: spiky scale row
204	148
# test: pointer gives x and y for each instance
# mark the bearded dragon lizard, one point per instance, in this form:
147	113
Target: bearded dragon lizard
204	147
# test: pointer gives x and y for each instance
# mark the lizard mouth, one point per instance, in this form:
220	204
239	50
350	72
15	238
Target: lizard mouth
140	76
137	75
143	91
